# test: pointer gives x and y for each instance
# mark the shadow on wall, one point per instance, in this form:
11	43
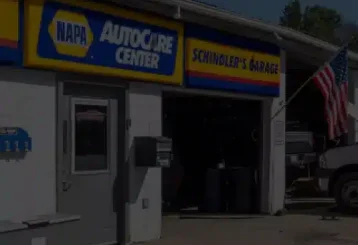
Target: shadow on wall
10	156
132	183
134	176
15	75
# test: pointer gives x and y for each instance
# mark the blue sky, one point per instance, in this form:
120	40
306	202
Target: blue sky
271	10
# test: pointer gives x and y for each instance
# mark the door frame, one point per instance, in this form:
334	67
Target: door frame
122	168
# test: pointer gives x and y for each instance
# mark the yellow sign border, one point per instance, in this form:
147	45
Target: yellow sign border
9	20
33	14
192	43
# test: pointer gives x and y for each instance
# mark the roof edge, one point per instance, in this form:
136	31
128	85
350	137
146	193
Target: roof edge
231	17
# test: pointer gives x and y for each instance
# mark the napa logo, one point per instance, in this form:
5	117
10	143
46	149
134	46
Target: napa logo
70	33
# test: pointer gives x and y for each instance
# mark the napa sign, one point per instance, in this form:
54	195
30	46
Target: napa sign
92	38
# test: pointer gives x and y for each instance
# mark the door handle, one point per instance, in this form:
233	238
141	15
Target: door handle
66	185
64	137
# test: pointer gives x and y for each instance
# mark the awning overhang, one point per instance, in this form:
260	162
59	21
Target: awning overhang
308	48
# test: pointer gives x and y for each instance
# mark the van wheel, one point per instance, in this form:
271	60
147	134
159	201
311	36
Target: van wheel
346	192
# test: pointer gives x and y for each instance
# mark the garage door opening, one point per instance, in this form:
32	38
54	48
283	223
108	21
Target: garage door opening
216	154
305	131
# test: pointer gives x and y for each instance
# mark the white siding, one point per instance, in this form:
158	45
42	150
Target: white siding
27	100
356	119
145	112
277	150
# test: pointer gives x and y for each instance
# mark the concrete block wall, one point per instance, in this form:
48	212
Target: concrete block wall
145	113
277	145
27	186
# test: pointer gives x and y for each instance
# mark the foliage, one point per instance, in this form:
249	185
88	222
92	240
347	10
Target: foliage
320	22
292	16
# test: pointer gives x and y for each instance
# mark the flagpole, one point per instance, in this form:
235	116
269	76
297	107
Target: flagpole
295	94
307	81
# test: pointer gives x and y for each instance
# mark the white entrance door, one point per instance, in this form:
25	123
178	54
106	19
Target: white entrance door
88	166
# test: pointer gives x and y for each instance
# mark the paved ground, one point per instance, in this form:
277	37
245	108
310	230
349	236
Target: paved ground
289	229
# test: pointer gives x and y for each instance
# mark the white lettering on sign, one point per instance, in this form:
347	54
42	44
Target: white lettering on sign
131	39
134	57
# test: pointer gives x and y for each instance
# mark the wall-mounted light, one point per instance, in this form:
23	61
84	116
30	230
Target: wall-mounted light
177	15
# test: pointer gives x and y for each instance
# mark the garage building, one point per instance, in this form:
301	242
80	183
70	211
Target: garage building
81	81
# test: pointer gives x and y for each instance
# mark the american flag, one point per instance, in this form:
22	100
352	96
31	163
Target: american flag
332	80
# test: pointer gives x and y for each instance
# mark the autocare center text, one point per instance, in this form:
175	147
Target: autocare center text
136	47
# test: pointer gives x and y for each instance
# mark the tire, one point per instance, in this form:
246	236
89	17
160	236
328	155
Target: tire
344	183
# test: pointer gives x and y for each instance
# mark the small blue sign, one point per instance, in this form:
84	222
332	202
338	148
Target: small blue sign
14	139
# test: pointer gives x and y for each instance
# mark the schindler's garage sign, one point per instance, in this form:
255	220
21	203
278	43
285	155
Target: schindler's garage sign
216	60
93	38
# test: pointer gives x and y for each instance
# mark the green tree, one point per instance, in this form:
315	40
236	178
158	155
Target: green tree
292	16
321	22
348	32
317	21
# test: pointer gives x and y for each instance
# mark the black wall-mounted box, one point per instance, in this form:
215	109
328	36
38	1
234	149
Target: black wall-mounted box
152	151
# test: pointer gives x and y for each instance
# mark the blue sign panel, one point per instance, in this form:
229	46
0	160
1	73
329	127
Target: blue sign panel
14	139
96	38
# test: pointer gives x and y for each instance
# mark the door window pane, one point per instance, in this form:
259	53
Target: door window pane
90	137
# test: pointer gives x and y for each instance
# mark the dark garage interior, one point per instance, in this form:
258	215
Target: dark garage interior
208	130
216	152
